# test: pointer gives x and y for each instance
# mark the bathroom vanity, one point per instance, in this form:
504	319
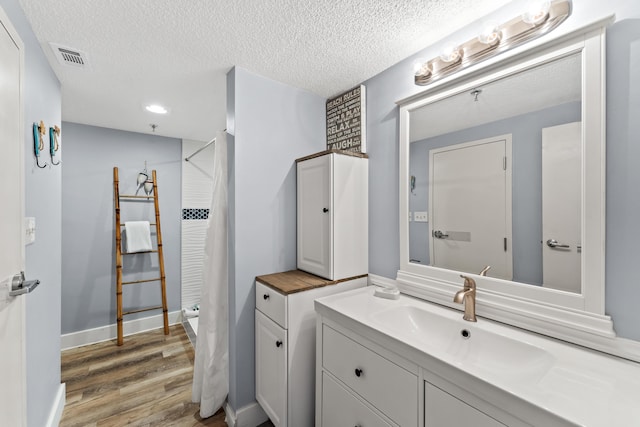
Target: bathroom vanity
285	342
409	362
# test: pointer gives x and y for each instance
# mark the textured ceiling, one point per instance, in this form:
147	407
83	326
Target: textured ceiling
177	52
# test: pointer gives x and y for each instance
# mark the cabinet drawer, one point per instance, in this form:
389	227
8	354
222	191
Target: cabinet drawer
341	408
441	409
272	303
387	386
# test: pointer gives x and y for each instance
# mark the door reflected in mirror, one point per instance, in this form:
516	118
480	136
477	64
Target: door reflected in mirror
496	177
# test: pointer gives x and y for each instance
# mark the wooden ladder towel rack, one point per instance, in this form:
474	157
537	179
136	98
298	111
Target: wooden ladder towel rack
119	253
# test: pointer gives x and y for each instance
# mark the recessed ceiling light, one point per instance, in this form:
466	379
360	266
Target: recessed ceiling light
157	109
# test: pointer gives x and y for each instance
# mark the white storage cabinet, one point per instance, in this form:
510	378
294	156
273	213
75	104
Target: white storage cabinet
285	349
333	226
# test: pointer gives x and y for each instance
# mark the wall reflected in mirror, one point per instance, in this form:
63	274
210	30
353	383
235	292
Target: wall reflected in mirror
496	178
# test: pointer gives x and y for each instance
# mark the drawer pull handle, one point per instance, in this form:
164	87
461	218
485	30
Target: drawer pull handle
265	296
359	372
325	210
278	343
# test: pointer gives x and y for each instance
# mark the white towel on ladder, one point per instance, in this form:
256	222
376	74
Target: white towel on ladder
138	234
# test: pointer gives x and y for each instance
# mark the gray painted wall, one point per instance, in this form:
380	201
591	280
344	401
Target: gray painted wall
271	124
88	246
623	152
42	188
526	132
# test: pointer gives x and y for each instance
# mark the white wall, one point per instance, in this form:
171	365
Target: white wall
270	125
197	192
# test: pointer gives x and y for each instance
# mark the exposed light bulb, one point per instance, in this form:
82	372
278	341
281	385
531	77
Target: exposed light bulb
157	109
490	34
536	11
421	67
451	53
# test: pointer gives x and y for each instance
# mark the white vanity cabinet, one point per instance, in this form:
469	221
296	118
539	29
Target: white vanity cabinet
360	382
332	206
285	343
408	362
376	389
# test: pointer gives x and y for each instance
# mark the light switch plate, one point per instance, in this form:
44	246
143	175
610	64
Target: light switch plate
420	216
29	230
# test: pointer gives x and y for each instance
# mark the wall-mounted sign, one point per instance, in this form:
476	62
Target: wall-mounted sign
346	121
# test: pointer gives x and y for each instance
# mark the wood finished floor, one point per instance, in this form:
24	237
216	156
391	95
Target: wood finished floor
145	382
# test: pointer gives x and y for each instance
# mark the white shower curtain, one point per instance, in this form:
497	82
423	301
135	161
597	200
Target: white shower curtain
211	368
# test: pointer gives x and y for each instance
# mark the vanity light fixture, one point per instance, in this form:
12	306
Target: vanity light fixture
540	17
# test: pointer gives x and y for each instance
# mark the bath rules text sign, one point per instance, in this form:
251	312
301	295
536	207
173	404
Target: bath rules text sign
346	121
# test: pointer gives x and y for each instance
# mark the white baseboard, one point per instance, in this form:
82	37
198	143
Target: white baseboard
109	332
250	415
58	406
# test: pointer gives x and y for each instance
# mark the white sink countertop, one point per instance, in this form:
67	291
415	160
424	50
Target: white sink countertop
579	385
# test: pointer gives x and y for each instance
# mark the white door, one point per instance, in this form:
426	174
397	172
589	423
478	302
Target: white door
314	216
561	206
271	369
470	207
12	318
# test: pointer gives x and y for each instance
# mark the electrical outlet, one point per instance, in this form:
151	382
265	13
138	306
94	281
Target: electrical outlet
420	216
29	230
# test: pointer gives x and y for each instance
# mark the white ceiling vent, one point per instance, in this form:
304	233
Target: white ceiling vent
70	56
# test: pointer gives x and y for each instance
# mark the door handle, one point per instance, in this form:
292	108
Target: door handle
553	243
440	235
20	286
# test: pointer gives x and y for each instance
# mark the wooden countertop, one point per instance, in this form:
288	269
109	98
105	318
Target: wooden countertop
324	153
290	282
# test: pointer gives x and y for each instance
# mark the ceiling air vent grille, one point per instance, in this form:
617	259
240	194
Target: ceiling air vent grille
70	56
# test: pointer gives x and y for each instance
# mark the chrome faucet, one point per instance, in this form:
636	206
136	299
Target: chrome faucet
467	296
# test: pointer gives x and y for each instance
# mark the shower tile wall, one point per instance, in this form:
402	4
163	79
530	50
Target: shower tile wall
197	188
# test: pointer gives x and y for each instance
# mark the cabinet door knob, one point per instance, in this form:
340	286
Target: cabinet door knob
325	210
278	343
359	372
266	296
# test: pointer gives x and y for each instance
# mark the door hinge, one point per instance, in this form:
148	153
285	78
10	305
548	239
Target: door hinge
504	163
505	244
